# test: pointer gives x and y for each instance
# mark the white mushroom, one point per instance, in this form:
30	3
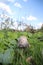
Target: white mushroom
23	42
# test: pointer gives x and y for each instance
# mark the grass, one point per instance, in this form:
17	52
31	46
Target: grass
17	56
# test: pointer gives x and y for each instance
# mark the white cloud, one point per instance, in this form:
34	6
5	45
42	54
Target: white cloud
25	0
31	18
18	5
5	7
15	25
23	18
11	0
38	25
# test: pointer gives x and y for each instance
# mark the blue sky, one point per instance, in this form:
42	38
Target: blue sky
28	11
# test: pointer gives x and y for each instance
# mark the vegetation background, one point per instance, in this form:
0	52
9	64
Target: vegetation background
11	54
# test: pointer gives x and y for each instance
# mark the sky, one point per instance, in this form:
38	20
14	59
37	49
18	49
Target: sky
27	11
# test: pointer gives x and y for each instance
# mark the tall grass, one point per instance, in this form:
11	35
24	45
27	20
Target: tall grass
11	54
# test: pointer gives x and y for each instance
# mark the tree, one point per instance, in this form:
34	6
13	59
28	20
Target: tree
32	30
27	29
42	28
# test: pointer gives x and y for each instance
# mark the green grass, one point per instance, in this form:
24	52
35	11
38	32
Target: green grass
16	56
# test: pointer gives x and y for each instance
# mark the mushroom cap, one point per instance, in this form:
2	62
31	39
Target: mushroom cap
22	41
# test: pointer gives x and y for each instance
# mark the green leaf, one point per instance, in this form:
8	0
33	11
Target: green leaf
8	56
